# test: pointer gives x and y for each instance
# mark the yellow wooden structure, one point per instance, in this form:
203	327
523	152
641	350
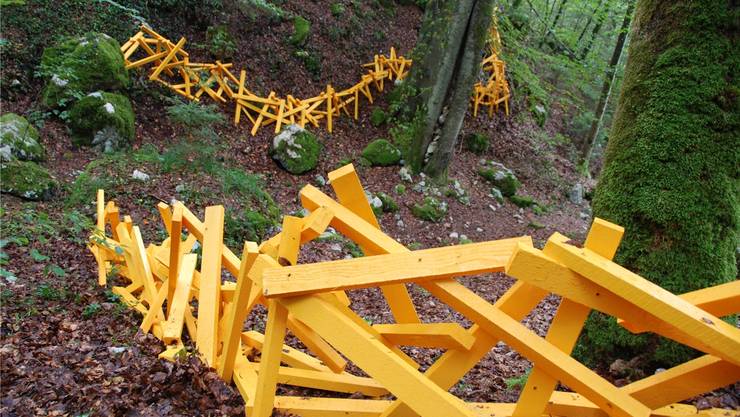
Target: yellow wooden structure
163	282
169	64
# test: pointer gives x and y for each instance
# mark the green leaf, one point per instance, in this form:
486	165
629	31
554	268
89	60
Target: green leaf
55	269
38	256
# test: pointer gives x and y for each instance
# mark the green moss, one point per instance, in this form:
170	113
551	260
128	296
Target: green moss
378	116
80	65
102	119
671	167
380	152
430	209
220	42
523	201
400	189
477	143
389	204
248	225
301	29
19	139
296	150
502	179
337	9
27	180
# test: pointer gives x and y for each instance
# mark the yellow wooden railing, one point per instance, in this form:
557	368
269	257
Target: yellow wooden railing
170	65
310	301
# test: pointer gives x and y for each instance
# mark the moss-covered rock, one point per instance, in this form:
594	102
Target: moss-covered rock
380	152
19	139
430	209
523	201
26	179
296	149
301	29
80	65
378	116
389	205
477	143
104	120
501	177
670	174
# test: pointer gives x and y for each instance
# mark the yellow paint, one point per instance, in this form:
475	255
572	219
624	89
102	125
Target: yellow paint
433	335
179	301
209	297
277	316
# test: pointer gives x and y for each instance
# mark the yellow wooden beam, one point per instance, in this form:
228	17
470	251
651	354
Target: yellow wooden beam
175	254
290	241
289	356
179	301
270	360
209	297
171	54
432	335
395	268
329	381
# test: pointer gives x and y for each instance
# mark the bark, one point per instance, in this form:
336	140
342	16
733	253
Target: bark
587	145
446	60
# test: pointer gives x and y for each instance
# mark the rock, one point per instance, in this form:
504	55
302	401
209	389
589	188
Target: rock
405	175
388	204
454	235
140	176
464	237
501	177
496	194
380	152
455	190
19	139
102	120
80	65
478	229
320	180
117	349
477	143
490	206
430	209
400	223
576	194
295	149
378	116
26	179
377	205
336	247
179	188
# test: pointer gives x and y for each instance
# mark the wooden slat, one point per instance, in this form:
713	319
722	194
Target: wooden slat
209	298
270	360
180	299
432	335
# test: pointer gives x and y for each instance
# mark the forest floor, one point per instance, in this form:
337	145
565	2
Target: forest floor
68	347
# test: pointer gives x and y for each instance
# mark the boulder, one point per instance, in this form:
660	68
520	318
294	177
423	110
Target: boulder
80	65
103	120
26	179
19	139
501	177
430	209
380	152
296	149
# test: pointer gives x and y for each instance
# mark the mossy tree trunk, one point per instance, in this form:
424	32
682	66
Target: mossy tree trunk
447	59
672	164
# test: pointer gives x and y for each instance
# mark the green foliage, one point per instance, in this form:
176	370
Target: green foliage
518	383
378	116
671	169
220	43
252	8
400	189
90	310
193	115
523	201
337	9
380	152
311	60
389	204
79	65
477	143
249	225
504	180
430	209
104	119
301	29
27	180
259	214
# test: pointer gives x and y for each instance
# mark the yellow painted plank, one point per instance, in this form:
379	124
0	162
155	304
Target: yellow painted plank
720	338
167	59
540	352
433	335
313	225
267	377
329	381
290	356
245	379
395	268
180	300
351	195
175	254
166	215
316	344
603	238
375	358
209	298
290	241
237	313
155	309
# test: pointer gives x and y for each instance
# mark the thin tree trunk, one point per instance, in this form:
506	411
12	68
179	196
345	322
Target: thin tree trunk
600	18
468	67
596	12
550	28
587	146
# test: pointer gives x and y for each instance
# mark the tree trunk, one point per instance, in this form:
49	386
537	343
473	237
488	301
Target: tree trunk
446	59
587	145
671	174
596	12
600	18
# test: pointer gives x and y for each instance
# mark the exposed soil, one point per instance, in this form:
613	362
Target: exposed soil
58	357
